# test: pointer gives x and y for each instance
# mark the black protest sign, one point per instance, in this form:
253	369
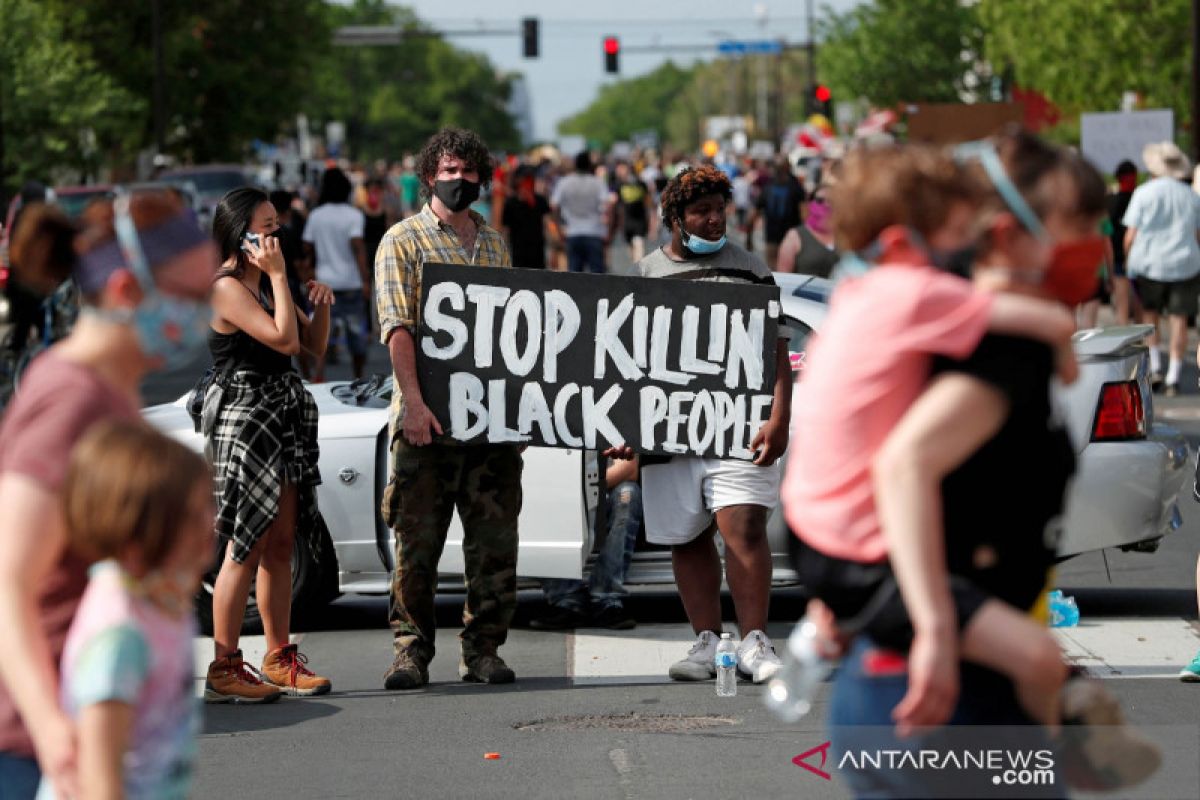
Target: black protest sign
666	366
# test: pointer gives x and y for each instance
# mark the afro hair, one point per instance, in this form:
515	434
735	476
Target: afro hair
689	186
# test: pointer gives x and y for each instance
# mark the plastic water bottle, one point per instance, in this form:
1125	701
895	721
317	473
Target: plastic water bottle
726	664
789	694
1063	611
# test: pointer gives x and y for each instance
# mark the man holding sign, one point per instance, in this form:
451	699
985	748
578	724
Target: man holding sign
432	475
685	497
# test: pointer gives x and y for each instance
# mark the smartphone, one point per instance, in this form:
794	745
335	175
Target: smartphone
253	238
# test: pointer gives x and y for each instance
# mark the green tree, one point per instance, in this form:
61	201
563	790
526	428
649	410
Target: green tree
58	110
1083	54
634	104
895	51
235	71
394	97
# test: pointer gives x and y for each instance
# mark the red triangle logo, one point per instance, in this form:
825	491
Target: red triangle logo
802	760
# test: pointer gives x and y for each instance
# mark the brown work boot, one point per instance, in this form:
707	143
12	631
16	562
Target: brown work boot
485	668
285	667
409	670
231	680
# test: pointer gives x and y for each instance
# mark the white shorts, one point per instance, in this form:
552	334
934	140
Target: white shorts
680	497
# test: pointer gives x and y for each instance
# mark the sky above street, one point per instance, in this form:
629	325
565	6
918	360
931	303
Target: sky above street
571	68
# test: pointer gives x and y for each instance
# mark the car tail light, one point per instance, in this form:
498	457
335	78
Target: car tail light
1120	414
3	277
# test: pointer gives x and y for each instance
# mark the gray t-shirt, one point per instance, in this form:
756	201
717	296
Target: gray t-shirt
730	264
582	200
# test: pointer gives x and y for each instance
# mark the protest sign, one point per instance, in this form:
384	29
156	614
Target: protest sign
1109	139
666	366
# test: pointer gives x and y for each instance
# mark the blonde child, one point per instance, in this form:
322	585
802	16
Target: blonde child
139	506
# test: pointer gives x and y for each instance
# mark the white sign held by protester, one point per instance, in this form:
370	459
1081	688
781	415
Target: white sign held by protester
1109	139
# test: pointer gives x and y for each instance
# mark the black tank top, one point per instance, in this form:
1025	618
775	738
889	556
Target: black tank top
814	257
241	351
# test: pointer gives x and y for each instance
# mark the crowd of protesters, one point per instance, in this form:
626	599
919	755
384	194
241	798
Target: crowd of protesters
927	579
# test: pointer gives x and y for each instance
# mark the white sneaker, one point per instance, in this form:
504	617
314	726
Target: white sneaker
756	657
698	666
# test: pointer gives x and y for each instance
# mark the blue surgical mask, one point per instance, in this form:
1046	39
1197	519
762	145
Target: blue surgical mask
170	328
701	247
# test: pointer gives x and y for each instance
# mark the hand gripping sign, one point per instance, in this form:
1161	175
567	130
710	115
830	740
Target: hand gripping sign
587	361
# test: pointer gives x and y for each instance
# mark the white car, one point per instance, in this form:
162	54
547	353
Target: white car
1129	474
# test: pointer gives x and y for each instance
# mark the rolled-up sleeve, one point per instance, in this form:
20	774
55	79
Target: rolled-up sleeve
397	266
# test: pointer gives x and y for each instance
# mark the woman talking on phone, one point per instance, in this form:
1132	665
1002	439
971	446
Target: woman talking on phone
260	427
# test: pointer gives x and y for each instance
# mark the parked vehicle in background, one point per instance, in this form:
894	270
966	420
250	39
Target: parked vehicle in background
210	182
74	199
1124	494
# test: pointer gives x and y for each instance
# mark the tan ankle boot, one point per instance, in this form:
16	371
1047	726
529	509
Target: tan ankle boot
231	680
285	667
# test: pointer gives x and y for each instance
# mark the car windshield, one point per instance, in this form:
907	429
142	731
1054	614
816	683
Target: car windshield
374	391
74	203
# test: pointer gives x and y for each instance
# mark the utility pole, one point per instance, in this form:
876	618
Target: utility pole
1195	129
160	112
760	11
811	47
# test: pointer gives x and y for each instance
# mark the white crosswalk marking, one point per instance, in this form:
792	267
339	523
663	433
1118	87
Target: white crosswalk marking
642	655
1106	648
1130	648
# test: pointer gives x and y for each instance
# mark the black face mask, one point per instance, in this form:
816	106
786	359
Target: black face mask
457	194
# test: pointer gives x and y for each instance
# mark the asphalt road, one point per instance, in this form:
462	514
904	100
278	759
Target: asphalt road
590	716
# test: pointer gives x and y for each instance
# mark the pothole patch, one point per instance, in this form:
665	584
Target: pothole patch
630	723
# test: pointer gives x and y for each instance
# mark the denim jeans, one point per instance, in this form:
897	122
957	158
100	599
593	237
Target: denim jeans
860	719
604	587
585	253
19	777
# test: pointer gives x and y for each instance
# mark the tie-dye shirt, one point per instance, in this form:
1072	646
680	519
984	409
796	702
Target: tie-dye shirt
122	648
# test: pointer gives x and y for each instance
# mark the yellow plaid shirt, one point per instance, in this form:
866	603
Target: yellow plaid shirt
399	260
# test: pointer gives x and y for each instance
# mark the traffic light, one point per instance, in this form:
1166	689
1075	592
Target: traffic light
612	52
529	33
822	100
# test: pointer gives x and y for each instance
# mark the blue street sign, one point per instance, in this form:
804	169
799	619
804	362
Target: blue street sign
731	47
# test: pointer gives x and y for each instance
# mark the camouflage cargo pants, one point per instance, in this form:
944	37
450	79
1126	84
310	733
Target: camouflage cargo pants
428	483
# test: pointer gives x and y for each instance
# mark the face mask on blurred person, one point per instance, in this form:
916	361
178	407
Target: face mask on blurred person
1073	271
456	195
169	328
819	214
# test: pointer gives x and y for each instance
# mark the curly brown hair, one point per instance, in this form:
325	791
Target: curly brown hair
904	184
457	142
689	186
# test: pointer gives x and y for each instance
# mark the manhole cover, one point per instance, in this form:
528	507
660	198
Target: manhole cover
634	723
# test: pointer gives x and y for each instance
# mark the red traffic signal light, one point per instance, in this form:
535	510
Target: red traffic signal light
612	50
823	94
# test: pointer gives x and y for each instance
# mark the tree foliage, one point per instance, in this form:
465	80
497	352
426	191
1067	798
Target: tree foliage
628	106
895	51
673	101
393	98
1083	54
234	71
57	108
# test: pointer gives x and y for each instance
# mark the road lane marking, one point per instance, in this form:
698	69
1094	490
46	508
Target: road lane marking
642	655
1130	648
